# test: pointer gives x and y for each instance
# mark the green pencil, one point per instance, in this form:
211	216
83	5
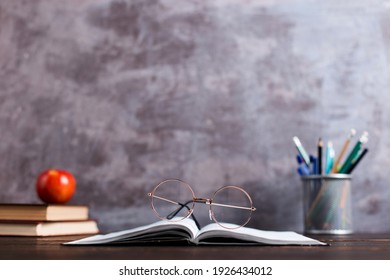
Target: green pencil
354	153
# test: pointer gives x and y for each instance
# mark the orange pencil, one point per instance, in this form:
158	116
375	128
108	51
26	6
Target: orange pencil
337	162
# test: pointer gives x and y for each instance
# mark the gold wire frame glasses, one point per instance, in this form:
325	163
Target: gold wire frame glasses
174	200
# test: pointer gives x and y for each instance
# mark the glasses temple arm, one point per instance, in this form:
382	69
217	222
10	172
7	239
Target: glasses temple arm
181	206
233	206
162	198
174	213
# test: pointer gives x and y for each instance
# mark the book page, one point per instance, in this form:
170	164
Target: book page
157	228
213	231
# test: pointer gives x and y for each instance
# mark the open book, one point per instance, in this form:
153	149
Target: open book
186	230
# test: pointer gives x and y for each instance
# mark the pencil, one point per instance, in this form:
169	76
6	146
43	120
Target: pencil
329	157
356	162
319	156
354	154
344	148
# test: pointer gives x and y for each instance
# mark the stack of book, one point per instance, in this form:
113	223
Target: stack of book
45	220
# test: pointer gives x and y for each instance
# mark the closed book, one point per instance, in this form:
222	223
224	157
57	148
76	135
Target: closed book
44	228
43	212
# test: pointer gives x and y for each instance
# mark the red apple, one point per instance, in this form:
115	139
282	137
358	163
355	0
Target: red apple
55	186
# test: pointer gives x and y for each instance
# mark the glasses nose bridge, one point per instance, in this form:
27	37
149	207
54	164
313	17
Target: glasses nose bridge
203	200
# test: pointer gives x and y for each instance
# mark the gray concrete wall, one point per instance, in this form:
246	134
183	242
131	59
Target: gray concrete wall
127	93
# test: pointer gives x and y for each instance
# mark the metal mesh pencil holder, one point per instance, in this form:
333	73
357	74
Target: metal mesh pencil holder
327	204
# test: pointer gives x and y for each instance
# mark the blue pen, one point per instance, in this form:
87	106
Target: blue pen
303	169
299	159
314	163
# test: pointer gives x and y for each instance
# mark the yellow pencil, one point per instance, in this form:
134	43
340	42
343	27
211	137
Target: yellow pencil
336	164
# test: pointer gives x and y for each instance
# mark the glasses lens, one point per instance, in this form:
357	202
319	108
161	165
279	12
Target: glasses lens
231	207
172	200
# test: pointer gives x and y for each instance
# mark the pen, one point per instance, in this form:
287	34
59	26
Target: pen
344	148
329	157
314	163
356	162
303	170
319	156
299	159
354	153
301	151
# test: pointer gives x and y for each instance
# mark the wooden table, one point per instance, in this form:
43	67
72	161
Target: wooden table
351	247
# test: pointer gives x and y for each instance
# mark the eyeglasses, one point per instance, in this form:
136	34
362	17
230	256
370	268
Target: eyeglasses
174	200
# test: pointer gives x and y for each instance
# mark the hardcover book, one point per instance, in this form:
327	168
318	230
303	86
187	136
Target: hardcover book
31	228
43	212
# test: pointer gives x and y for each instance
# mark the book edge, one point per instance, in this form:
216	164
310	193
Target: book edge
38	229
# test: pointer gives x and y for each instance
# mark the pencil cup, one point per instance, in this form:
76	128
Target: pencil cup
327	204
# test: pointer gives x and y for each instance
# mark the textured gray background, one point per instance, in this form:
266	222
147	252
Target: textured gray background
127	93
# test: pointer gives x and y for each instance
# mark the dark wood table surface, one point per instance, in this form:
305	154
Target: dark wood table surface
351	247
